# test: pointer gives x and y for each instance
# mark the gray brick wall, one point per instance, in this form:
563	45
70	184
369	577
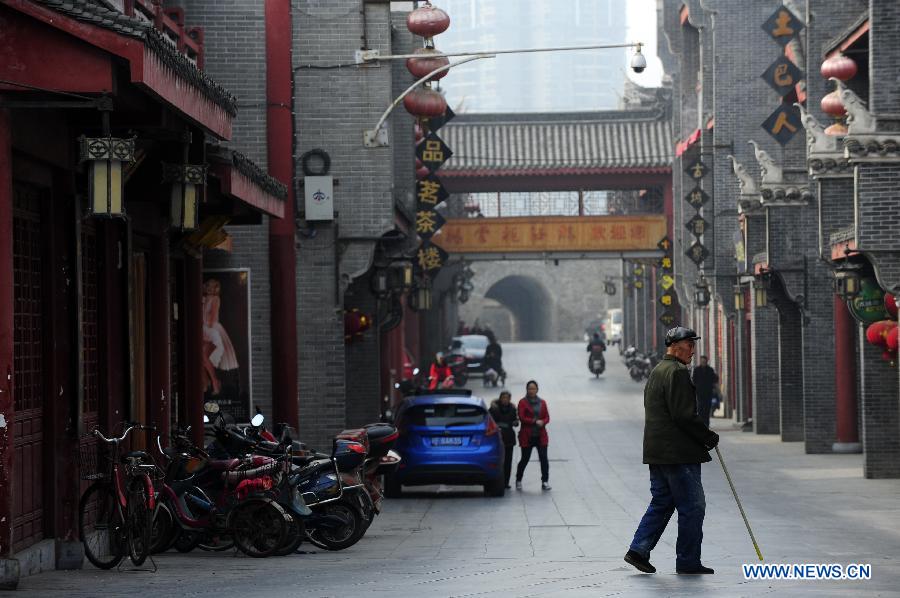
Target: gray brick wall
765	369
880	415
234	50
790	362
334	106
363	359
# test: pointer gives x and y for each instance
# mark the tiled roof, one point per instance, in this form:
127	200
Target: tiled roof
557	142
93	12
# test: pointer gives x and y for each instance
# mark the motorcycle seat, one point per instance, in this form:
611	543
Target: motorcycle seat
140	455
223	464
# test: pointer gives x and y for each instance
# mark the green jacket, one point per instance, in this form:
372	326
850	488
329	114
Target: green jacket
673	432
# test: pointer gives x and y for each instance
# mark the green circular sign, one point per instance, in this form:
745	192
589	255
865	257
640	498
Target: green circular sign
868	305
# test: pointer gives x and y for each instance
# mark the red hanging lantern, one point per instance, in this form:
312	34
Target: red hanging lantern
425	102
832	104
891	339
431	60
427	21
839	66
877	333
890	304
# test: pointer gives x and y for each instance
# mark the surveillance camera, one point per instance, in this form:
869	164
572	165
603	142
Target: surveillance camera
638	62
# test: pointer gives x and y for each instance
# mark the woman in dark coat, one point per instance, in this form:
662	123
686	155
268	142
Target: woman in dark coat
534	416
506	417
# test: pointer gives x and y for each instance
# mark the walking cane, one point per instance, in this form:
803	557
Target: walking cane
738	501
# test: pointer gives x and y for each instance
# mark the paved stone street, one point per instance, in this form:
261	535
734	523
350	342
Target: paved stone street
454	542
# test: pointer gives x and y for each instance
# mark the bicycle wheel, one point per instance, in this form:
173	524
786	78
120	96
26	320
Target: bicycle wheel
187	540
139	522
100	526
216	541
258	528
294	536
163	532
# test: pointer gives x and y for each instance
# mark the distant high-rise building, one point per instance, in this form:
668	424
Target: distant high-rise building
557	81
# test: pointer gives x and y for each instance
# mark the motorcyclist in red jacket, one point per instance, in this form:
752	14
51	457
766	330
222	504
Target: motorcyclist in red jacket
439	372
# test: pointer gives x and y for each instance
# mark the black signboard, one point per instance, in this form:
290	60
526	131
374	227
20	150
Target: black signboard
428	222
665	244
782	75
697	197
784	123
783	26
430	192
667	299
430	257
433	152
665	263
697	225
436	122
697	253
667	319
697	169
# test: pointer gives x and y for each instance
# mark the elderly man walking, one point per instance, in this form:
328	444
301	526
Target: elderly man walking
676	442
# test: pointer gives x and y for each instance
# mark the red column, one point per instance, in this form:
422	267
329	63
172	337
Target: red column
282	257
6	335
160	338
114	390
845	378
193	332
668	206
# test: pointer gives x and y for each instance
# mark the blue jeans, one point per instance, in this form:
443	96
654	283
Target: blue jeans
674	487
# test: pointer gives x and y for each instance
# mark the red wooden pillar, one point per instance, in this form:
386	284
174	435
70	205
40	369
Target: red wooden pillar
845	379
160	386
193	332
282	256
6	343
113	389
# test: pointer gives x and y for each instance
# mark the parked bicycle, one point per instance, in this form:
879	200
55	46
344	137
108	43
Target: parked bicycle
115	514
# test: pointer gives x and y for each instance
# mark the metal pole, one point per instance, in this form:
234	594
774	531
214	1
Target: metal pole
488	54
738	501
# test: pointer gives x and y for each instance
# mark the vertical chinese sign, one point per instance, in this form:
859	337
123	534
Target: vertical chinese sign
783	76
432	152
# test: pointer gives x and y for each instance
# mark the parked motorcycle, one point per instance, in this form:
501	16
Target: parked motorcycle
459	368
642	365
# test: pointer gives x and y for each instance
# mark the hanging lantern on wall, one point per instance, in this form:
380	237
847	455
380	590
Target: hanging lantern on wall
839	66
701	292
105	156
420	298
427	21
425	102
430	60
761	291
186	180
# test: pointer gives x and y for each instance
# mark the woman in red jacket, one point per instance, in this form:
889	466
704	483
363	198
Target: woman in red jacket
534	416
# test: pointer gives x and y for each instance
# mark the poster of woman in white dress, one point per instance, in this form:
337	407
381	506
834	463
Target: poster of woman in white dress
226	341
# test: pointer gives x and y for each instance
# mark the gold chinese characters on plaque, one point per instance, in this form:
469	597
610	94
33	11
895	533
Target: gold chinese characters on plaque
551	233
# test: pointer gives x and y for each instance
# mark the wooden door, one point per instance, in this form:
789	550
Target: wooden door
28	351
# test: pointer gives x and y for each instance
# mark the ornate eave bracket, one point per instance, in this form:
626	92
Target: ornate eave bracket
869	138
749	201
824	153
780	187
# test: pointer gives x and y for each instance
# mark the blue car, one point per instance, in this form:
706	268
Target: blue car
447	437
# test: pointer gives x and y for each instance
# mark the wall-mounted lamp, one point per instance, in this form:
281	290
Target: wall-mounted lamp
846	278
105	156
701	292
738	297
186	180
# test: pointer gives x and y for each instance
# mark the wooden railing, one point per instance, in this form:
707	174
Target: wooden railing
170	22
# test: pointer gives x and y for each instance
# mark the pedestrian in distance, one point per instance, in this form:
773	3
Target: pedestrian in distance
534	416
676	442
705	381
506	417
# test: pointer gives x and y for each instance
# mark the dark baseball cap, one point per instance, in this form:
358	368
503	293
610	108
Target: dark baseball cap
680	333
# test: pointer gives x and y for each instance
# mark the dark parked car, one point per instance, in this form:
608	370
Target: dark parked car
473	347
447	437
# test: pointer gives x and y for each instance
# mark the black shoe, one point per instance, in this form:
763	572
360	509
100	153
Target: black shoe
698	570
638	562
508	486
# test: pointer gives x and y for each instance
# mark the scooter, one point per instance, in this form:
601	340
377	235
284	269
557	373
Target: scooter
459	368
596	363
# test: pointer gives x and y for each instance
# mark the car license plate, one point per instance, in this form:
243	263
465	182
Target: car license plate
446	441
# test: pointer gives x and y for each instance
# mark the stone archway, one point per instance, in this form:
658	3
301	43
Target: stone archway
530	304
